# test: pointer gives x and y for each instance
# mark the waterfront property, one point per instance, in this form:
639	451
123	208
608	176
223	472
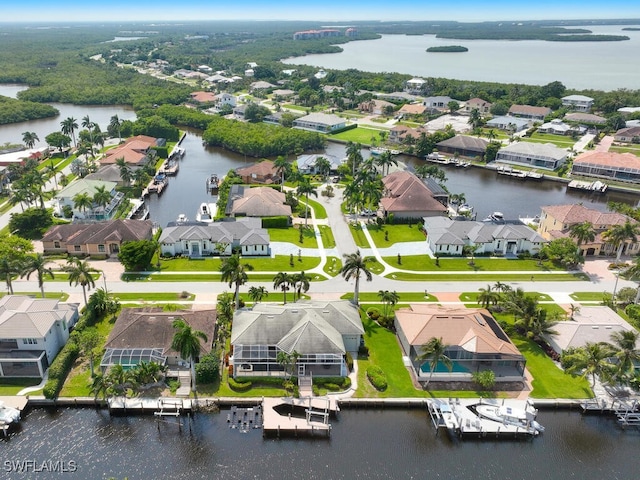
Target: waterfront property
256	202
407	196
100	238
623	167
415	86
81	187
109	173
450	237
587	325
32	332
19	157
538	155
260	172
510	124
145	335
320	122
557	220
530	112
402	133
218	238
463	145
474	342
580	103
136	151
479	104
558	127
307	163
319	333
587	118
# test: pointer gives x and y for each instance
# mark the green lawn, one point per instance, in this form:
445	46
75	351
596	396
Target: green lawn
358	235
292	235
558	140
404	297
318	208
489	278
78	384
333	266
11	386
57	295
472	297
280	263
153	297
635	149
590	296
358	135
424	263
387	235
328	241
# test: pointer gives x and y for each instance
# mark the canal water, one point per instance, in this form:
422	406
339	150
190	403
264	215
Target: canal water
364	444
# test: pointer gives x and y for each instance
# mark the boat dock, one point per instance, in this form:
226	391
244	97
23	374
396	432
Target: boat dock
594	187
298	416
522	174
157	185
170	167
160	407
460	417
627	411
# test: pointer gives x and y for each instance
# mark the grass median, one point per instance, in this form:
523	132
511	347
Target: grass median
490	277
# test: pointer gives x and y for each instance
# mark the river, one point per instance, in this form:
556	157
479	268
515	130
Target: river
366	444
578	65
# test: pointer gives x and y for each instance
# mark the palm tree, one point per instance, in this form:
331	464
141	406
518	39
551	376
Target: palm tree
626	352
619	235
282	168
29	139
100	386
125	171
592	359
37	264
487	297
283	281
501	287
9	268
288	361
235	272
582	233
323	167
115	124
305	188
186	342
354	267
80	273
89	125
69	126
475	119
434	351
52	171
388	299
386	160
301	283
256	294
101	197
541	325
633	273
433	171
354	156
82	201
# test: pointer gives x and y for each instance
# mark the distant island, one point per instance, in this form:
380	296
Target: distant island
631	29
448	48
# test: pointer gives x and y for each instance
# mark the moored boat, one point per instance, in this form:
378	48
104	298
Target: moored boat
510	415
8	415
213	184
205	212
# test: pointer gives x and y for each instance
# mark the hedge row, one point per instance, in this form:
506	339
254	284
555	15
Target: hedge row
237	386
275	222
60	368
377	378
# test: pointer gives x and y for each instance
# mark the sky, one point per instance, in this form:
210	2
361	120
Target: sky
314	10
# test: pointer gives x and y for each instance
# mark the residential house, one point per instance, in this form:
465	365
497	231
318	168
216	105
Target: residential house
32	332
283	93
245	235
463	145
376	107
538	155
307	163
109	173
320	122
628	110
530	112
415	86
407	196
239	109
146	334
320	332
623	167
586	118
450	237
225	98
412	109
474	342
404	134
510	124
437	103
579	103
322	33
19	157
588	325
263	172
483	107
100	238
628	135
136	151
398	97
65	198
558	127
557	220
261	85
256	202
205	69
203	97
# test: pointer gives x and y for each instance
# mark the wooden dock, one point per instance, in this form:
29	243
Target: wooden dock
158	406
626	411
298	416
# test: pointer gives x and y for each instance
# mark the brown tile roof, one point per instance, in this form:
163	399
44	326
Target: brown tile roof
133	150
464	142
264	168
203	97
413	109
404	192
478	102
575	213
153	328
473	329
119	231
529	110
584	117
257	202
628	132
609	159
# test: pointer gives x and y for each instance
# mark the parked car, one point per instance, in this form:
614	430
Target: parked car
367	213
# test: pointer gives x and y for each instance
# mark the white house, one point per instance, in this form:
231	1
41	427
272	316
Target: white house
32	332
579	103
449	237
439	103
558	127
415	85
539	155
65	197
225	98
320	122
307	163
219	238
511	124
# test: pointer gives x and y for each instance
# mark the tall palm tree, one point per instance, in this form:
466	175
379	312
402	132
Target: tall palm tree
101	197
283	167
434	351
626	351
256	294
29	139
114	125
619	235
633	273
305	188
80	273
487	297
89	125
354	267
52	171
69	126
388	299
354	156
385	160
235	273
9	268
301	283
592	359
186	341
323	167
125	171
283	281
582	233
82	201
37	264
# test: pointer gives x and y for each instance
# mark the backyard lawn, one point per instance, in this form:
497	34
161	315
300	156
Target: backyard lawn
11	386
558	140
292	235
361	135
387	235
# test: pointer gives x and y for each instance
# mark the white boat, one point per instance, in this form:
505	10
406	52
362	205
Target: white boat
510	415
8	415
182	218
495	217
205	212
464	209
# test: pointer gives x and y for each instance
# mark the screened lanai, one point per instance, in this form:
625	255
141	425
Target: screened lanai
130	357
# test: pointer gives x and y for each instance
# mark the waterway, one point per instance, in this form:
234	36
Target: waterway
579	65
366	444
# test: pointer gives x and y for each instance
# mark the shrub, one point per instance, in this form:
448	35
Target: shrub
373	313
207	369
60	368
50	389
377	378
349	361
486	379
363	350
275	222
237	386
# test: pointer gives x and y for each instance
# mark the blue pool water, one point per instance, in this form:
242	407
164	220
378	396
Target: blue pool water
442	368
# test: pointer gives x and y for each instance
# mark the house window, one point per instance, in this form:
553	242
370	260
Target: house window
101	248
56	244
76	248
30	341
